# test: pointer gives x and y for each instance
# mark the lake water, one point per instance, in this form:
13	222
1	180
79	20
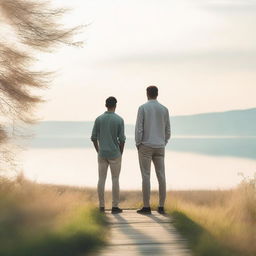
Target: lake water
191	163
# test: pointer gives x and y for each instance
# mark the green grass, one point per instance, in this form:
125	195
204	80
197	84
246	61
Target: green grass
38	220
47	220
220	223
201	242
82	233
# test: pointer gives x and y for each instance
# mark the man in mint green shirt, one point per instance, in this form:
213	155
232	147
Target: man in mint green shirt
108	139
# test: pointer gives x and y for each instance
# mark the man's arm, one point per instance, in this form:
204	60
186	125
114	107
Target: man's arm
121	137
167	128
121	146
94	137
139	127
96	145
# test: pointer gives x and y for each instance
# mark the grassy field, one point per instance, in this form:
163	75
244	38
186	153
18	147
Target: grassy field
47	220
37	219
219	223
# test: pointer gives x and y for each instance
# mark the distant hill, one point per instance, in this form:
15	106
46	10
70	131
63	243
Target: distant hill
204	129
230	123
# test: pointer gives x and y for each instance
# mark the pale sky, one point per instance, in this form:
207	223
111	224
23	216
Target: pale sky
200	53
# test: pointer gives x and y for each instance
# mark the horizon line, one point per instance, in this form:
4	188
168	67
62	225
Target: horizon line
185	115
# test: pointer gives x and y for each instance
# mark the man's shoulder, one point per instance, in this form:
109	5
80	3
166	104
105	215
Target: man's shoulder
164	107
119	118
99	118
156	103
143	105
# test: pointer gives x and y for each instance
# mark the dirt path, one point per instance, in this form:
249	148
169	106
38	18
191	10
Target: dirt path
133	234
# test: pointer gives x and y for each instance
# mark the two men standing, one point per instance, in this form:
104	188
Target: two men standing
152	133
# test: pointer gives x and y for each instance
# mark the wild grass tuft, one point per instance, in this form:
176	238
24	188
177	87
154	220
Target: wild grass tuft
218	222
47	220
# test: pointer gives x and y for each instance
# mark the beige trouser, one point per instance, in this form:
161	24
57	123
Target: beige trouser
115	167
146	154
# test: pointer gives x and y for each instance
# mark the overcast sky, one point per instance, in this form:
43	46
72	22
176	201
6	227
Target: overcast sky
200	53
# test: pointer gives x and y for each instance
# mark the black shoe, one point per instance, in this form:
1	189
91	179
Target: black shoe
102	209
116	210
144	210
161	210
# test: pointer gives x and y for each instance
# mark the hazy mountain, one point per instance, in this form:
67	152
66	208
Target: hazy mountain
230	123
224	125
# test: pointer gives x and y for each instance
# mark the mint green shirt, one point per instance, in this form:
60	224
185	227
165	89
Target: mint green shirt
108	129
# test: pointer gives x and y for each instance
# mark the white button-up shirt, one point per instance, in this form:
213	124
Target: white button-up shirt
152	125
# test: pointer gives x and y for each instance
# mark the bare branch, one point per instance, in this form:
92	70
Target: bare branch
35	27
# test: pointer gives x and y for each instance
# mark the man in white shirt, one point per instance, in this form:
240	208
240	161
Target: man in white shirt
152	133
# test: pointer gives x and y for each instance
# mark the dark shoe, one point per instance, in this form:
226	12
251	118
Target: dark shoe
102	209
116	210
161	210
144	210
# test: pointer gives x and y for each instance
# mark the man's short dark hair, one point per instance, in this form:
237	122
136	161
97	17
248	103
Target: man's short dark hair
152	91
111	102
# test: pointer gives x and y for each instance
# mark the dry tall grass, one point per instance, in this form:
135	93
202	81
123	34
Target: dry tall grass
47	220
28	209
229	216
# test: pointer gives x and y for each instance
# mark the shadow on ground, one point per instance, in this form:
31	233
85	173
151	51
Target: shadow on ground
139	237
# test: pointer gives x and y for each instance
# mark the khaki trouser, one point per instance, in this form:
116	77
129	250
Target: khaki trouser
146	154
115	167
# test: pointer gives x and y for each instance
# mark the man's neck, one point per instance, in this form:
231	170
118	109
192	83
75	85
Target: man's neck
111	110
